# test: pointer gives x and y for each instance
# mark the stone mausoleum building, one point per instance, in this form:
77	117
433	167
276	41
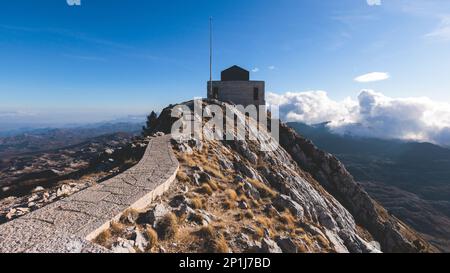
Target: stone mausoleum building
235	86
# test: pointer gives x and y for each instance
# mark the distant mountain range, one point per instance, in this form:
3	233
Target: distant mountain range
34	140
12	128
36	156
410	179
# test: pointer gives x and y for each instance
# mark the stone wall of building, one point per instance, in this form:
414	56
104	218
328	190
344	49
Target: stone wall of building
238	92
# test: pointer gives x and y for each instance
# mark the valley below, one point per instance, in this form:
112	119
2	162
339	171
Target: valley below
45	165
411	180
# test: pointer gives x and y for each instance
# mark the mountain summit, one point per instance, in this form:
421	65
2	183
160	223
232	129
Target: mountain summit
233	197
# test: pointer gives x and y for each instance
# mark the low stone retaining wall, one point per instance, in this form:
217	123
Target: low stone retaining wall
68	225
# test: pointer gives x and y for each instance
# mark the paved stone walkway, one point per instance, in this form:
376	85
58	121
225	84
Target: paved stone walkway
68	225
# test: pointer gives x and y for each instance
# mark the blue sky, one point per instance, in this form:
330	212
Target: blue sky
117	57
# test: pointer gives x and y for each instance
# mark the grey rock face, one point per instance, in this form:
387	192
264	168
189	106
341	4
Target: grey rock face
140	241
187	144
185	210
196	177
130	218
286	244
153	216
123	246
203	177
243	205
278	169
270	246
178	200
244	242
224	162
206	216
243	148
393	235
300	172
65	190
251	191
283	202
246	170
38	189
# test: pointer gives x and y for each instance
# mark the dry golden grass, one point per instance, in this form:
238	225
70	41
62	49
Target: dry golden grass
196	203
214	242
116	228
213	170
254	203
183	177
222	185
202	157
363	233
205	189
231	195
322	241
219	245
242	197
263	188
206	232
271	212
249	214
103	237
152	237
288	219
299	231
129	213
307	240
187	160
302	248
213	185
239	216
190	194
264	221
220	196
259	233
168	227
227	204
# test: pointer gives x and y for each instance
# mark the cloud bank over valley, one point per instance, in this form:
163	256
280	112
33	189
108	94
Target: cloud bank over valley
372	114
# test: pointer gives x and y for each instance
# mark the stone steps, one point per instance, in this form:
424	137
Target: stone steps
69	224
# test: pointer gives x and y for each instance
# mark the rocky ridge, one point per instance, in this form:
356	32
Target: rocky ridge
393	235
233	196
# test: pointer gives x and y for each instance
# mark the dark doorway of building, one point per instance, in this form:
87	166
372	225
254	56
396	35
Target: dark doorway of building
256	93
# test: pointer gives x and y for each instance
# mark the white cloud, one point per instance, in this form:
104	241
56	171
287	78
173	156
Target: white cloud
272	67
372	114
310	107
374	2
442	32
372	77
256	69
73	2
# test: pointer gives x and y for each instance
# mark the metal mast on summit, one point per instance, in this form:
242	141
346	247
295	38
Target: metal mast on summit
210	55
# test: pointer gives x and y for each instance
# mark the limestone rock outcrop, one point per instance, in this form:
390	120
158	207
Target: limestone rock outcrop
310	183
391	233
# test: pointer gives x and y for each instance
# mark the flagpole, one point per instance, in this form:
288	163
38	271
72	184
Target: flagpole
210	56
